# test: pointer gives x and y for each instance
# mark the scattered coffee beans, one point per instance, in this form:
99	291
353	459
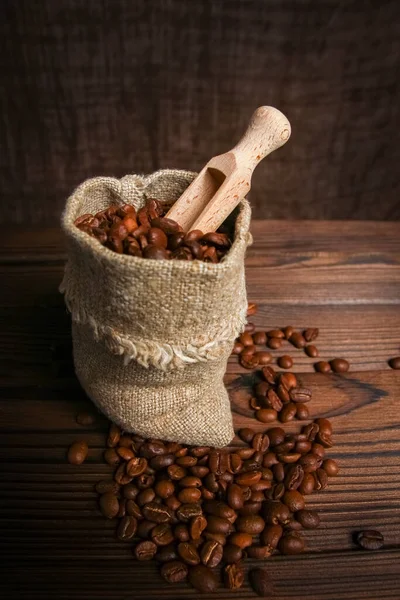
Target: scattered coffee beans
147	233
370	539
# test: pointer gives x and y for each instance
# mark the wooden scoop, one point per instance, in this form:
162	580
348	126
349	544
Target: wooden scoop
225	180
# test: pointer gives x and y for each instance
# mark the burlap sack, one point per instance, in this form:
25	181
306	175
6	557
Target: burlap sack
152	338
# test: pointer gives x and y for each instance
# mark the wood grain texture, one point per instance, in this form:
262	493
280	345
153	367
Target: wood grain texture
53	540
112	87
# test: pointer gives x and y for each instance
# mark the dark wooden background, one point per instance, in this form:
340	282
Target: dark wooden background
94	87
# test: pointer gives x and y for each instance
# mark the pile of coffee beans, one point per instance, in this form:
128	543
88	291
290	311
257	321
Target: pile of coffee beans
250	356
194	508
147	233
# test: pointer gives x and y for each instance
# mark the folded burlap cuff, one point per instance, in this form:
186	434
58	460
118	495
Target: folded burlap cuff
152	338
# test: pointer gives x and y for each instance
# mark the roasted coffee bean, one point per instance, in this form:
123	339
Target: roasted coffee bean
310	431
246	434
145	496
297	340
370	539
275	492
235	496
176	472
276	513
289	457
324	425
237	348
260	582
188	553
288	330
307	485
107	485
85	418
220	509
197	526
234	462
283	393
217	239
303	446
181	532
309	463
190	481
279	472
232	553
243	540
77	453
145	550
300	394
251	308
211	553
288	412
288	380
320	479
218	524
339	365
203	579
322	366
248	478
274	343
270	459
216	537
249	327
302	412
266	415
144	528
254	403
125	453
294	477
233	576
325	439
311	351
127	529
157	237
133	509
264	358
311	334
188	495
162	534
136	466
249	507
109	505
270	536
291	543
260	442
246	339
331	467
260	338
174	571
269	374
144	481
156	513
252	524
166	553
318	450
276	436
309	519
394	362
275	333
262	389
200	451
188	511
168	226
285	361
154	252
293	500
152	448
164	488
248	359
258	552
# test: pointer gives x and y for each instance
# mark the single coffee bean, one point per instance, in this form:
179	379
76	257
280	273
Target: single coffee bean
188	553
275	492
262	389
162	534
303	446
127	529
339	365
294	477
276	436
220	509
249	507
237	348
246	434
252	524
216	537
289	457
288	412
218	524
302	412
234	462
288	380
235	496
211	553
264	358
157	237
121	475
174	571
322	366
85	418
331	467
318	450
188	495
125	453
297	340
107	485
260	338
248	359
197	526
246	339
394	362
144	528
266	415
370	539
133	509
285	361
109	505
276	513
232	553
293	500
300	394
203	579
166	553
233	576
260	582
270	536
145	550
311	334
275	333
243	540
310	431
309	463
324	425
156	513
258	552
136	466
260	442
288	330
269	374
309	519
190	481
77	453
291	543
176	472
164	488
111	457
320	479
307	485
154	252
145	496
274	343
311	351
188	511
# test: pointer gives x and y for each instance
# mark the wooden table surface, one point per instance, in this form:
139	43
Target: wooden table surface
339	276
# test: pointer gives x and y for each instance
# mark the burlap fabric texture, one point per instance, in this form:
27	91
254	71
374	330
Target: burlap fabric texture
152	338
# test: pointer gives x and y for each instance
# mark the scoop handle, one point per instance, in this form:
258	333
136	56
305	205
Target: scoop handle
268	130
